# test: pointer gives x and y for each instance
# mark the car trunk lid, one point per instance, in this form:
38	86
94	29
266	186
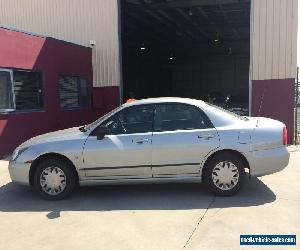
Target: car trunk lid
267	133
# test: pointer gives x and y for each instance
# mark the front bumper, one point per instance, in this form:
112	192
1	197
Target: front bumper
19	172
264	162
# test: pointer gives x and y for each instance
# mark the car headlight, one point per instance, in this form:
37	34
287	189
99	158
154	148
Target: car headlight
18	152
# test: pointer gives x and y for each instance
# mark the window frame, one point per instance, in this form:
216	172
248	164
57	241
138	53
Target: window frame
15	110
205	117
93	133
89	91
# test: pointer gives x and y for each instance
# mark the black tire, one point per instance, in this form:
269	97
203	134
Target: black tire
209	169
67	169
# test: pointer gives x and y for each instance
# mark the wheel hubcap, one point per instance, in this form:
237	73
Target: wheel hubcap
53	180
225	175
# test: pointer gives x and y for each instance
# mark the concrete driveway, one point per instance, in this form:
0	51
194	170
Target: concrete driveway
152	216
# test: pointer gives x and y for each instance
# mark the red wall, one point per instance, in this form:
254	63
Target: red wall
51	57
275	99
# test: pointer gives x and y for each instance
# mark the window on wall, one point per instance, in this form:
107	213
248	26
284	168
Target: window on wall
20	90
27	90
6	93
73	92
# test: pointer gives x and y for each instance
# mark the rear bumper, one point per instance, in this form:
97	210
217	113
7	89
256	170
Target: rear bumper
264	162
19	172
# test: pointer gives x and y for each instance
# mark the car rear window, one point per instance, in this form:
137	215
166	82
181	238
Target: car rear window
244	118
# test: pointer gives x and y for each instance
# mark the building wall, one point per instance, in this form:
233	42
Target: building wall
273	42
274	60
274	39
275	99
77	21
51	57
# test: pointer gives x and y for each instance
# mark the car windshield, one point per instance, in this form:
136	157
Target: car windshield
244	118
94	123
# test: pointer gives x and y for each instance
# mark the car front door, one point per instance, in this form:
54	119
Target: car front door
182	137
126	152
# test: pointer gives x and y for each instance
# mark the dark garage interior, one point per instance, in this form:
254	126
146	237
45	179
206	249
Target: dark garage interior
187	48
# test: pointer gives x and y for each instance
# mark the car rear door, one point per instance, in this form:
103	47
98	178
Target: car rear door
126	152
182	137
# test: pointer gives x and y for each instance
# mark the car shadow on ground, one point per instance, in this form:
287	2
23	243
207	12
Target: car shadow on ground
15	198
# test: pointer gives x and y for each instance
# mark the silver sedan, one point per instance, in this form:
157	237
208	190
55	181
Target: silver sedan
159	140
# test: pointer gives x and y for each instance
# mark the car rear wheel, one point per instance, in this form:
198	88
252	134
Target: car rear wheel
224	174
54	179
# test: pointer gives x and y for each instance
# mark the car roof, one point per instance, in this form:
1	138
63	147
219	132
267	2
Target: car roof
164	100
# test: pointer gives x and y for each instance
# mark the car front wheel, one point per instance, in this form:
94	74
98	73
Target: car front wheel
224	174
54	179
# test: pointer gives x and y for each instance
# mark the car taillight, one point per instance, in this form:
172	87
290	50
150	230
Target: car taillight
284	136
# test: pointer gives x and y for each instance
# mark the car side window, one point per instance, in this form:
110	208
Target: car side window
114	125
171	117
135	119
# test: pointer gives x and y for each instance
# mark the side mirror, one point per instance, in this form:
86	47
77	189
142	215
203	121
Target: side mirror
101	132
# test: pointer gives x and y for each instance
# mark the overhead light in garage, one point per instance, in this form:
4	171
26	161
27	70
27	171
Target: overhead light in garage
143	46
217	38
191	12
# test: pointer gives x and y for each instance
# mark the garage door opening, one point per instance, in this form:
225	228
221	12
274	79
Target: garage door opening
187	48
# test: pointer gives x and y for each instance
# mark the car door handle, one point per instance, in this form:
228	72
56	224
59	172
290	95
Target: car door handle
140	141
206	136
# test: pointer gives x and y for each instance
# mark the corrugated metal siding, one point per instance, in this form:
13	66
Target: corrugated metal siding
77	21
274	39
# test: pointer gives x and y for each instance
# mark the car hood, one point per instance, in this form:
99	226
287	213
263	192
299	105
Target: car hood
65	134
